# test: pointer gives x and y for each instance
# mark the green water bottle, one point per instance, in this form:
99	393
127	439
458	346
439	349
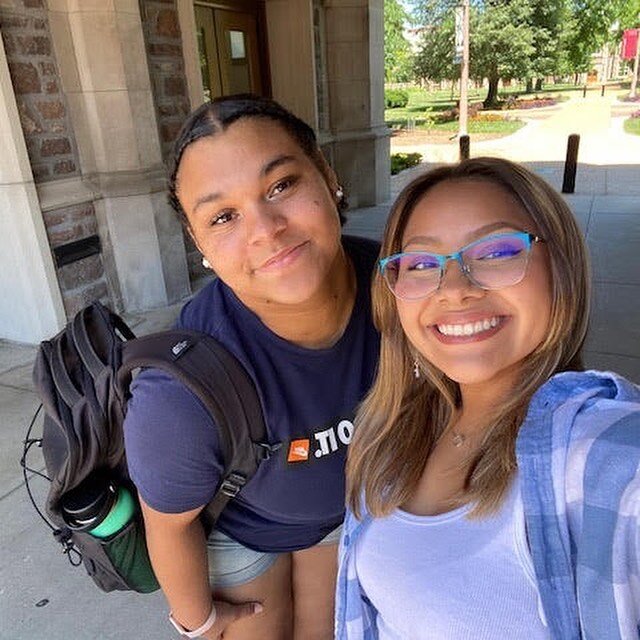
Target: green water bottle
98	506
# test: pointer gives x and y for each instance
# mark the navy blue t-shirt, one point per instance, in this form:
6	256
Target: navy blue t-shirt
309	397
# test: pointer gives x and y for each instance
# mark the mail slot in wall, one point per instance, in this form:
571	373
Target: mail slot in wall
77	250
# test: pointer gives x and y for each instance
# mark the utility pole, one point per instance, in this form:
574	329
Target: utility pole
463	15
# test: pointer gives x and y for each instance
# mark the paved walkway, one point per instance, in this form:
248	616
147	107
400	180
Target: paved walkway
42	597
602	138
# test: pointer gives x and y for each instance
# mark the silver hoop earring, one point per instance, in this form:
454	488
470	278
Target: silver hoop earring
416	369
205	263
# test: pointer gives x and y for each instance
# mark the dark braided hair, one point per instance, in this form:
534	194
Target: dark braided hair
216	116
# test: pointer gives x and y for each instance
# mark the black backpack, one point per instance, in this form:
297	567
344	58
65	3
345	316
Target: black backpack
82	376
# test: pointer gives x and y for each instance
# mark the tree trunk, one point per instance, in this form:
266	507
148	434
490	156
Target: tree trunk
539	84
492	95
529	87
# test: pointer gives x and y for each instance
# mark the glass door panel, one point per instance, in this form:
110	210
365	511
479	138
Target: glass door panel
238	52
208	52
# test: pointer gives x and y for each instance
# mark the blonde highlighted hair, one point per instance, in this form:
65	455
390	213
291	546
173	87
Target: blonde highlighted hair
401	418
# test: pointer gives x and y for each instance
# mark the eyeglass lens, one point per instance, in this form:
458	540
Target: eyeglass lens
492	263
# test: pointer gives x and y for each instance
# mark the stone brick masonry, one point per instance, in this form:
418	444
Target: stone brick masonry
41	104
164	53
166	67
50	143
82	281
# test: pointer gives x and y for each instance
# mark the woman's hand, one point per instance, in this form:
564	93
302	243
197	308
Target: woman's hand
227	613
177	548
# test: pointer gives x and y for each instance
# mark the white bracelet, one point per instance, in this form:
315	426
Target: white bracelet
196	633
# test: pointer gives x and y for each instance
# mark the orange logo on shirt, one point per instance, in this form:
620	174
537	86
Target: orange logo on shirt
298	451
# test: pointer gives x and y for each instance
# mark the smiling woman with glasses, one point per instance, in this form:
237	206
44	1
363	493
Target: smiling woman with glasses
492	484
492	262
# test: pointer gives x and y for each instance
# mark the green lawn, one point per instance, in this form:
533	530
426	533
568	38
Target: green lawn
422	105
478	126
632	125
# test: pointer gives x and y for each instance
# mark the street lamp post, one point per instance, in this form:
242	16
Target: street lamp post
462	33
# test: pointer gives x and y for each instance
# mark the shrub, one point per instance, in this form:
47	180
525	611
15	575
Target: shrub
533	103
488	117
402	161
394	98
474	108
449	115
510	102
630	98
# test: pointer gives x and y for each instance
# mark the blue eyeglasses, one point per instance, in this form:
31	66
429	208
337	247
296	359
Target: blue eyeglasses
492	262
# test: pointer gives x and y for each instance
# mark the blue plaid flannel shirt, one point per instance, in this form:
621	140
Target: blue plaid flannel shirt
578	454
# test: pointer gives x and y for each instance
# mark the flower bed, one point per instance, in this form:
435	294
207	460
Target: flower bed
513	102
489	117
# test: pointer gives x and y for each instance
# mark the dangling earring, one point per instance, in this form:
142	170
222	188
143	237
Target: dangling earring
205	263
339	193
416	369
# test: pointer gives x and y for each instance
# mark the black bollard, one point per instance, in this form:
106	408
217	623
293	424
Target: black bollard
584	91
602	92
571	164
464	147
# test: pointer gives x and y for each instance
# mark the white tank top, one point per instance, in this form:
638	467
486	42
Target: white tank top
447	577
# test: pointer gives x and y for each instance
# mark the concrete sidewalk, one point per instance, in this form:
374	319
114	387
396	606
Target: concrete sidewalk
43	598
603	142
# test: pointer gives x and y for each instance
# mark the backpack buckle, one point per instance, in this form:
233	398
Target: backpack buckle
232	484
264	450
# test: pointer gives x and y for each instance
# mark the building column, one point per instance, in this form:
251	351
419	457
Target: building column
30	298
103	65
355	80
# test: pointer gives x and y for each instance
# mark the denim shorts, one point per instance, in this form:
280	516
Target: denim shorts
231	564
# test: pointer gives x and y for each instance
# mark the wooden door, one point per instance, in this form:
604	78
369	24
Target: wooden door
228	49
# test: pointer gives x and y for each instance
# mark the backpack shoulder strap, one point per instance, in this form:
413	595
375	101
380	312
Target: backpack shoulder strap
96	318
226	390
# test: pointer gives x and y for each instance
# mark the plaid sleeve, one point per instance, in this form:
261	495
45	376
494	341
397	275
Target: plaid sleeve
355	615
608	560
579	458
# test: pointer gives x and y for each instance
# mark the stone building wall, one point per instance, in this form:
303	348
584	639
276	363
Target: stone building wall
170	94
36	82
50	142
166	68
82	281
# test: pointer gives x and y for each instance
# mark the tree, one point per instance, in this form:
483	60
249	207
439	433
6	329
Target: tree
397	51
594	23
629	16
546	21
434	59
434	12
501	43
522	39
